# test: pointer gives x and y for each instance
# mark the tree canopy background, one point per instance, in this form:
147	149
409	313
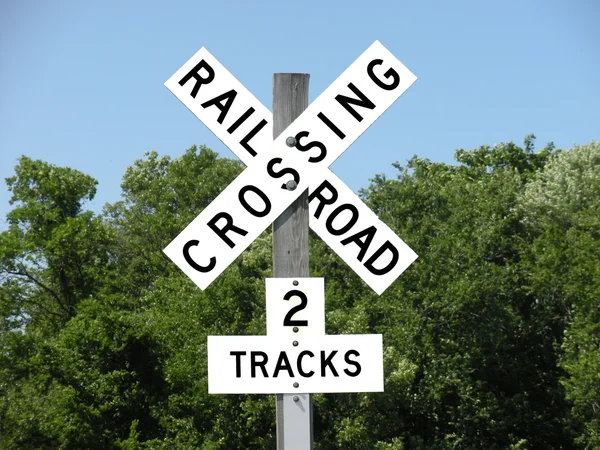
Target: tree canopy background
491	338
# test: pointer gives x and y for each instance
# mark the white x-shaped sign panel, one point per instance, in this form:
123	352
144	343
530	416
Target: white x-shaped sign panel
226	227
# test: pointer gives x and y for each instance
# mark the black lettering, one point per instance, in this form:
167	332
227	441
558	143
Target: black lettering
194	73
301	355
186	254
313	144
361	101
241	120
354	363
368	234
245	142
331	125
335	213
326	362
254	363
317	193
238	363
229	226
386	246
242	197
228	96
287	320
283	363
282	172
391	73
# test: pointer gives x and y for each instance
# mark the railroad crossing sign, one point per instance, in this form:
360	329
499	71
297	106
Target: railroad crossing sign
210	243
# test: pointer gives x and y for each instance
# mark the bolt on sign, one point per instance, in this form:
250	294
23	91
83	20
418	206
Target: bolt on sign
308	360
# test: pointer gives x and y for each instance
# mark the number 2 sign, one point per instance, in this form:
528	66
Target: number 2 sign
296	355
300	305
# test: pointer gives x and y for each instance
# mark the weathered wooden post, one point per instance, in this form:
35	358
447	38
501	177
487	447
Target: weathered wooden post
290	256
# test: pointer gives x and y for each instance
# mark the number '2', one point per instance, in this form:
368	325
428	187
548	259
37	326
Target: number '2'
288	321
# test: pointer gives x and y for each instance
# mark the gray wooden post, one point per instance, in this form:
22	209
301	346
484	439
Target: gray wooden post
290	257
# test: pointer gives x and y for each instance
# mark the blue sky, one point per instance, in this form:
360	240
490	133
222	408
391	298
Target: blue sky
82	82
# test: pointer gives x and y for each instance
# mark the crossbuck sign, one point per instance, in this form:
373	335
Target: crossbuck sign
296	355
210	243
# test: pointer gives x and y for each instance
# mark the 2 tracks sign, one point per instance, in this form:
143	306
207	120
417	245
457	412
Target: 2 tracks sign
276	175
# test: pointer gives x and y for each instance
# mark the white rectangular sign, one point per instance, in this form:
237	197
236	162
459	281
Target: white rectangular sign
295	307
265	365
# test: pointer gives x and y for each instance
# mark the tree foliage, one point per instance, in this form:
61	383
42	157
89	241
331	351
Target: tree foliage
562	208
491	338
53	254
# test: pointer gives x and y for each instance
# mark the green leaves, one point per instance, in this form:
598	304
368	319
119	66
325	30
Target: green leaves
490	338
45	194
53	255
561	209
471	332
161	197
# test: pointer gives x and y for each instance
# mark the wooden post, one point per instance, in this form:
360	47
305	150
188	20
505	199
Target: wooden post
290	257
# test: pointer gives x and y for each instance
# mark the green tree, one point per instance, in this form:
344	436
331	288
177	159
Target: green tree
561	209
490	337
122	369
53	254
161	196
476	364
52	257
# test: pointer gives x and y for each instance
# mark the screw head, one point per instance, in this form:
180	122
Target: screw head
295	283
295	343
290	141
296	398
291	185
295	329
296	385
